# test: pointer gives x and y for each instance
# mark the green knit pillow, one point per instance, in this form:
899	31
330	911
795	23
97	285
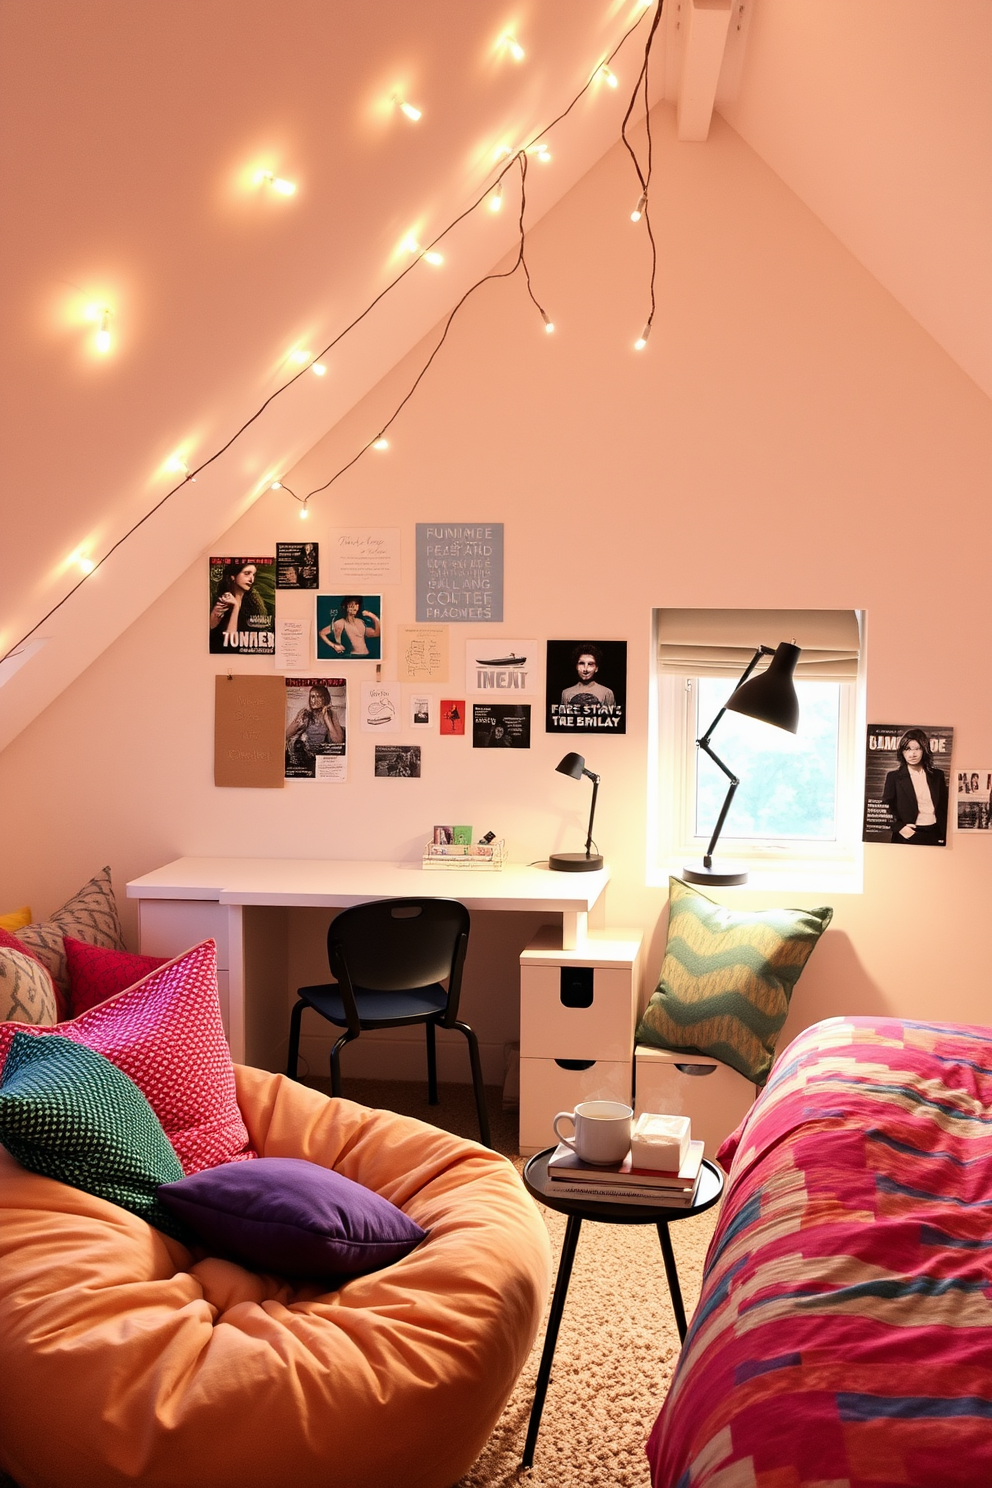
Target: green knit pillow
727	978
68	1113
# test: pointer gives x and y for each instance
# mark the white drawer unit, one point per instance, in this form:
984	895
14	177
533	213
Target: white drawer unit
578	1013
548	1086
714	1097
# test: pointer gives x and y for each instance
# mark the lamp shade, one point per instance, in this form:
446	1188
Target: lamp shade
771	696
573	765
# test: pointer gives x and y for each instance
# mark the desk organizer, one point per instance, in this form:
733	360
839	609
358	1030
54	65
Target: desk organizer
479	855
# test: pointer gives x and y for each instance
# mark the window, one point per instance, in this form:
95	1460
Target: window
795	820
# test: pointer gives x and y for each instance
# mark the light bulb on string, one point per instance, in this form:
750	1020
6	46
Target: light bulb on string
549	324
275	486
318	369
299	358
82	562
304	512
176	465
642	339
609	78
496	200
103	340
381	443
412	113
638	211
541	151
501	152
279	185
511	45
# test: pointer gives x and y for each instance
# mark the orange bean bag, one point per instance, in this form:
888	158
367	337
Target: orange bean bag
124	1361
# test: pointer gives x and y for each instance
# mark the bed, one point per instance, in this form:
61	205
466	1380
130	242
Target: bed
843	1336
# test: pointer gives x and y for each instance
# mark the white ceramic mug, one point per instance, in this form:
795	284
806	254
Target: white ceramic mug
602	1131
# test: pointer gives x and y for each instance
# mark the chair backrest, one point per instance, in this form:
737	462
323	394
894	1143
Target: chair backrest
392	945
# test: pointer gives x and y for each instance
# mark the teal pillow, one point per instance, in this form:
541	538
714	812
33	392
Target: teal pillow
727	978
68	1113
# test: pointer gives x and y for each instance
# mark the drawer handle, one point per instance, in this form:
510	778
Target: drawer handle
576	1064
696	1069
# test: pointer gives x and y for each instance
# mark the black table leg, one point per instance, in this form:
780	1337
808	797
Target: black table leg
551	1336
673	1278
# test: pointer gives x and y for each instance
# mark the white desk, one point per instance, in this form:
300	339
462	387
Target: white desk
193	898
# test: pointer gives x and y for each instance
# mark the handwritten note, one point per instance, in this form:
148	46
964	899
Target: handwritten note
361	558
422	653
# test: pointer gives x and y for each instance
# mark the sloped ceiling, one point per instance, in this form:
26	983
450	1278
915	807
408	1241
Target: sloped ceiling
132	136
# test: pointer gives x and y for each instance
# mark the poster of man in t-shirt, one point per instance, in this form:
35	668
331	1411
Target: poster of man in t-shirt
586	687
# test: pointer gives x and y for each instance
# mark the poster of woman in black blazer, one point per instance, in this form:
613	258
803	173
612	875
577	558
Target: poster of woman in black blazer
906	786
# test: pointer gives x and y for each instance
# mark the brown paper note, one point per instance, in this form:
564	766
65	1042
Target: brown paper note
249	731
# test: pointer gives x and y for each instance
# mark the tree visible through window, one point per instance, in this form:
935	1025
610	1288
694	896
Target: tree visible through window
788	781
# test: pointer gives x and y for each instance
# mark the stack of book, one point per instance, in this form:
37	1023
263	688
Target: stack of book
623	1183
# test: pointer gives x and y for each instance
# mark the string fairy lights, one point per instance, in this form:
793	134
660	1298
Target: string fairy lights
509	159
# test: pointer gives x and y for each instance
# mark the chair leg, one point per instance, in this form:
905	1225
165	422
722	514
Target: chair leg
431	1064
293	1058
480	1089
336	1048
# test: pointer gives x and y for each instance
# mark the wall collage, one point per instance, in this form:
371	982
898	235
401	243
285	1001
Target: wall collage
318	609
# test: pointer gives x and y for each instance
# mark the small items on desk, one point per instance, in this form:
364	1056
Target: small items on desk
660	1143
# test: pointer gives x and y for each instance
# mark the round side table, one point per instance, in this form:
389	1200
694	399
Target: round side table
708	1191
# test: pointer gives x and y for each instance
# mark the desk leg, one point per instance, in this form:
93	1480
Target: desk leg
551	1336
574	929
673	1279
236	982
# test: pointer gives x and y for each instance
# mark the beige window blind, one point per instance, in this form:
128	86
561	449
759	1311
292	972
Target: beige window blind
720	643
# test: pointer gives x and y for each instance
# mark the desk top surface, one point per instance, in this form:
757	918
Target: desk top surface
312	882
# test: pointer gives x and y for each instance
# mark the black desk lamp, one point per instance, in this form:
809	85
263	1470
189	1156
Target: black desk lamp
575	766
771	698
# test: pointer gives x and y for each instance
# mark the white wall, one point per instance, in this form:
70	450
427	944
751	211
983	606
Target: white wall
790	437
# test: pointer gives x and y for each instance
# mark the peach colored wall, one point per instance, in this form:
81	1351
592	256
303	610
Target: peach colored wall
791	437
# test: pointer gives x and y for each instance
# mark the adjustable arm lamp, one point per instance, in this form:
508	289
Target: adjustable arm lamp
771	698
575	766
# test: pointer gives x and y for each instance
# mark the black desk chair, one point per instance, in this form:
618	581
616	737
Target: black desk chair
389	958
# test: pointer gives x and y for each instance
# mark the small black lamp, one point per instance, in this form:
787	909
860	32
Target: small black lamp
575	766
771	698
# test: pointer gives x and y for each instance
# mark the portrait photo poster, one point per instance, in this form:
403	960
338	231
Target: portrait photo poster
242	606
586	687
420	710
460	572
297	565
349	627
451	716
422	653
316	728
397	761
496	665
501	725
974	800
361	557
907	784
380	710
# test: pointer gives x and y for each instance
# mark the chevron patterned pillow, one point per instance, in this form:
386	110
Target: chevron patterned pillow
727	978
68	1113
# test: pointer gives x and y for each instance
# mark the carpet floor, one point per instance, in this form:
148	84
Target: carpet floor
618	1343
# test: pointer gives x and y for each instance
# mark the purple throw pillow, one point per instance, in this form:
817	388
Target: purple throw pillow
292	1217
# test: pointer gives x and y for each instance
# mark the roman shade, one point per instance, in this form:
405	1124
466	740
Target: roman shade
720	643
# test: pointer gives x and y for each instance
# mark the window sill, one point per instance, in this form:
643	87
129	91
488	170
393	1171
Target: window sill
798	876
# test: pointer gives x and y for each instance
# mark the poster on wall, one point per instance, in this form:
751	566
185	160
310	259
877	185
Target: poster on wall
502	666
420	710
397	761
297	565
907	784
349	627
242	606
501	725
452	715
974	801
422	653
362	557
248	731
460	572
380	711
316	728
586	689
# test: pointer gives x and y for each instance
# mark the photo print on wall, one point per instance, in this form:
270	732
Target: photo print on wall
316	728
242	606
501	725
297	565
974	800
349	627
452	715
907	780
586	688
397	761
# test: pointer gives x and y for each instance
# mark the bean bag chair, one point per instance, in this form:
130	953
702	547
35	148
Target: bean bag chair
126	1360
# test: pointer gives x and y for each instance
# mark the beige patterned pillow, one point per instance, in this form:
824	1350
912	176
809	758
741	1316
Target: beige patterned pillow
90	916
26	991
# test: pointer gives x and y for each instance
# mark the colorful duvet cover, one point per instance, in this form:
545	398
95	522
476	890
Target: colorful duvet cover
843	1337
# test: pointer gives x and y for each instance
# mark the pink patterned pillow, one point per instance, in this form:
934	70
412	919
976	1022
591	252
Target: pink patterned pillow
96	973
166	1034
